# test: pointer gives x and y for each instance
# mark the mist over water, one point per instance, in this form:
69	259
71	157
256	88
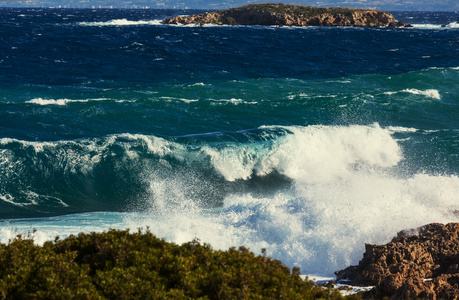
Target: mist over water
312	196
345	191
307	142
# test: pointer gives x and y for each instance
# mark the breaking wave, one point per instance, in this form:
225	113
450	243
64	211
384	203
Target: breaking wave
41	101
452	25
122	22
430	93
311	196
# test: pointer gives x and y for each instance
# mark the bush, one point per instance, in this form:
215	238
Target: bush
298	10
123	265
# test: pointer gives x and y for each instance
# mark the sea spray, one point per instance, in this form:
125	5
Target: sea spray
324	221
308	143
337	188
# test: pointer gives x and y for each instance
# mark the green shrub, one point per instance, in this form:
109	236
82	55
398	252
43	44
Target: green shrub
123	265
297	10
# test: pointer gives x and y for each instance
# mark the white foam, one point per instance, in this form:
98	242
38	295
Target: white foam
11	200
156	145
345	192
401	129
5	157
300	95
345	195
122	22
235	101
199	84
323	227
452	25
41	101
35	199
185	100
38	146
87	152
320	226
8	198
426	26
312	153
430	93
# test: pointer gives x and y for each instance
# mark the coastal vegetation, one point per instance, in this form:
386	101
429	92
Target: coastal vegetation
123	265
300	10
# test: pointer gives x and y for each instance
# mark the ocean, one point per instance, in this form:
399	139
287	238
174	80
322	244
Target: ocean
306	142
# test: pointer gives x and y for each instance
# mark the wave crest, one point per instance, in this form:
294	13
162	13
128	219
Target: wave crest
121	22
313	153
429	93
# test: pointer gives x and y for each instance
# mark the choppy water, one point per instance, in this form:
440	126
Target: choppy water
308	142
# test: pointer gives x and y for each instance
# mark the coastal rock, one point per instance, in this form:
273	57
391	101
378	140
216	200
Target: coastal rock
421	263
292	15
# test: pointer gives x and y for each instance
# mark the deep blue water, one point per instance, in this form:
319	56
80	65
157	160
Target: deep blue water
308	142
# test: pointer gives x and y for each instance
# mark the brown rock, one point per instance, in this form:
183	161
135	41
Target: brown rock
421	263
291	15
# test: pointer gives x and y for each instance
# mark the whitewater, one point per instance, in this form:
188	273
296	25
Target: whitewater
305	142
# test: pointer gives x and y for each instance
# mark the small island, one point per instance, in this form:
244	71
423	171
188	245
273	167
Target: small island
270	14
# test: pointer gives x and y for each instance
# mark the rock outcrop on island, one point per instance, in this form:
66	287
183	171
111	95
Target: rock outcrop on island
417	264
292	15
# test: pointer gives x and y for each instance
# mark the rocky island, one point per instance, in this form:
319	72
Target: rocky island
292	15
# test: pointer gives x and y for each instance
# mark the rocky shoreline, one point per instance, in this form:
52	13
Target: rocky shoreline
417	264
292	15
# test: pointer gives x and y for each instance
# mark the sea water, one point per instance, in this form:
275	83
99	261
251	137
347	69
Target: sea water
306	142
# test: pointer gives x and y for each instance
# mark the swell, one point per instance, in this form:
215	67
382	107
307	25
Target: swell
311	195
144	172
167	126
133	171
112	173
158	54
425	99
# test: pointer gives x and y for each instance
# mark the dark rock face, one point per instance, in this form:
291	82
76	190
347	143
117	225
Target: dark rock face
292	15
422	263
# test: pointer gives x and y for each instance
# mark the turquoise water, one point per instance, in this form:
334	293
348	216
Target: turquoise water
309	142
